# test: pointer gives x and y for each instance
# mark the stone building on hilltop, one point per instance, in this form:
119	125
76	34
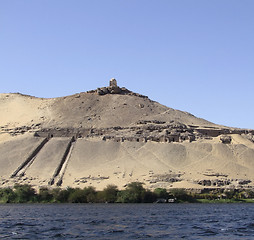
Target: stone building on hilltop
112	82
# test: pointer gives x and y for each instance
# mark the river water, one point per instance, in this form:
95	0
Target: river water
127	221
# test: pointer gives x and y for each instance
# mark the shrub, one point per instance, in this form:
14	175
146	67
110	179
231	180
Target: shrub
181	195
62	195
230	193
45	195
161	193
148	196
90	194
77	196
109	194
135	193
7	195
24	193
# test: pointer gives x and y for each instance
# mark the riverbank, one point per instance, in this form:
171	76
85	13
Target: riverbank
133	193
225	201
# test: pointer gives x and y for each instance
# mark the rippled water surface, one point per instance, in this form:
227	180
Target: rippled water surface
127	221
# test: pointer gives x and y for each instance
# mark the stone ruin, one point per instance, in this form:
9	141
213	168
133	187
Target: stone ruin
111	89
113	82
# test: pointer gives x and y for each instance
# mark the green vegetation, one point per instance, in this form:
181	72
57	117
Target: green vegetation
134	193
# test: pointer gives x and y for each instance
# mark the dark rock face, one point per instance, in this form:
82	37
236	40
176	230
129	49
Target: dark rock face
249	136
226	139
110	90
222	182
169	178
215	183
143	131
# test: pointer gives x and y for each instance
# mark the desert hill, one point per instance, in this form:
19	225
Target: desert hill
114	136
87	110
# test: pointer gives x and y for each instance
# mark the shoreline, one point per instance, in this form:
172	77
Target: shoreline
133	193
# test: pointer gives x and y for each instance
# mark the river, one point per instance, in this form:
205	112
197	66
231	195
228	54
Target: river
127	221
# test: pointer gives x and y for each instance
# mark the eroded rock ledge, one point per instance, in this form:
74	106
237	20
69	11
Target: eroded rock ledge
143	132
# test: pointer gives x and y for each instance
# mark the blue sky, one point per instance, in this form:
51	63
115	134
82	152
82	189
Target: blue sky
192	55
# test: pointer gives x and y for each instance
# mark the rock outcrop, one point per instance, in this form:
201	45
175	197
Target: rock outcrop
226	139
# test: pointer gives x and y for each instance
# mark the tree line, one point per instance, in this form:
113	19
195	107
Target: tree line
134	193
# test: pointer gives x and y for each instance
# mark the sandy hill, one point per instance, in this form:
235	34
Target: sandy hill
87	110
114	136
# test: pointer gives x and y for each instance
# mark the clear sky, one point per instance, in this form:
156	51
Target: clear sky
192	55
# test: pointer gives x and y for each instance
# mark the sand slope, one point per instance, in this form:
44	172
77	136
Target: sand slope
86	110
14	152
90	161
98	163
